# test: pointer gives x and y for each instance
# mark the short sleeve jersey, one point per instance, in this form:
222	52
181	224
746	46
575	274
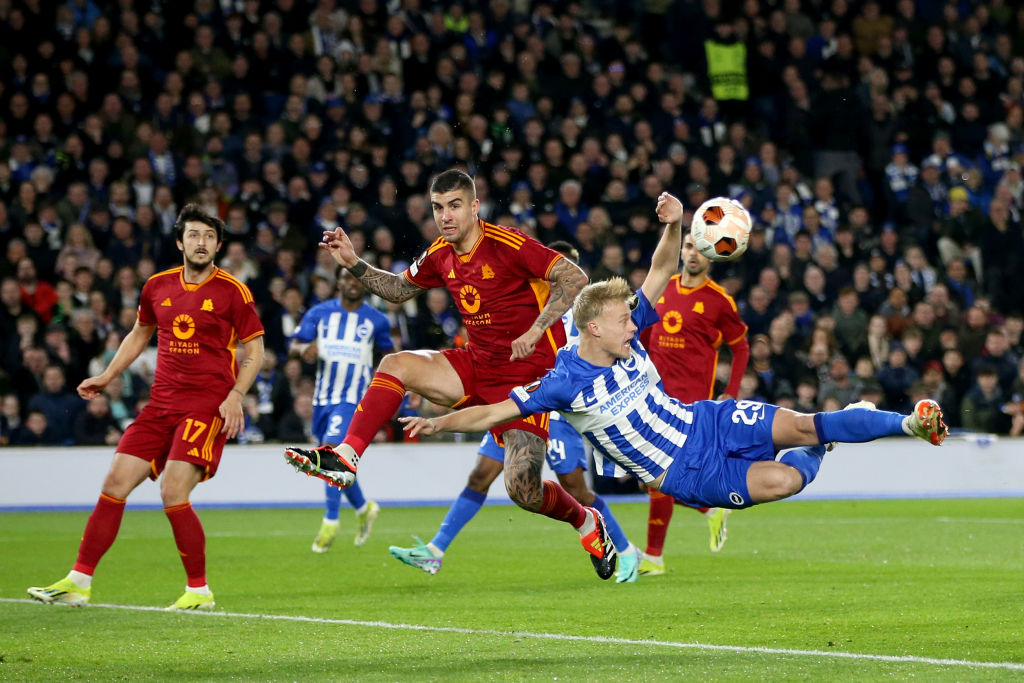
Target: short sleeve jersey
684	345
199	327
344	343
622	410
499	287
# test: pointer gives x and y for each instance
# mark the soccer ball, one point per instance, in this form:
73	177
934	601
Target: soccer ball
720	229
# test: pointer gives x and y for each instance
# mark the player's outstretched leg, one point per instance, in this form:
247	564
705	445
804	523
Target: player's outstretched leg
858	425
421	555
338	467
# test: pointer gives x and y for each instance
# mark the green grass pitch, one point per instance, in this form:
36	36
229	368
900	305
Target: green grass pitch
854	590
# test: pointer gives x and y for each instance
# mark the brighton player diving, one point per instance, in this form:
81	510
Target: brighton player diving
566	457
511	291
708	453
696	318
340	335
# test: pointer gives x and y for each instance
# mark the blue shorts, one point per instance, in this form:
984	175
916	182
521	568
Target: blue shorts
727	438
565	448
331	422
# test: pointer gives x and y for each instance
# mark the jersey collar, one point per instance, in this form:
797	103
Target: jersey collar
190	287
689	290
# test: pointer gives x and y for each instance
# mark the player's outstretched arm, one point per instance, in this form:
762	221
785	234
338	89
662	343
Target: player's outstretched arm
475	419
132	345
665	261
567	279
388	286
231	407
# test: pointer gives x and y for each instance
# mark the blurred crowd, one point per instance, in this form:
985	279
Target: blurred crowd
877	145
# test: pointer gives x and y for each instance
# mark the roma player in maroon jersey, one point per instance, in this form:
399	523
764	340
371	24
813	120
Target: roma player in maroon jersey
201	314
511	291
697	317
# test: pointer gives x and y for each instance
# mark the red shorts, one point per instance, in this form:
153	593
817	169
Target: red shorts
161	434
486	384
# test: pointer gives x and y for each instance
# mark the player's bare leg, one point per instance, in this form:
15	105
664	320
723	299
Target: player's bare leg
524	458
125	474
427	373
428	556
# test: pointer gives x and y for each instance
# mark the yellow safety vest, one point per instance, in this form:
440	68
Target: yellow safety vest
727	70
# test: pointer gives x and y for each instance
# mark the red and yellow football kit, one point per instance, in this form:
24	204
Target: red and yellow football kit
499	287
199	327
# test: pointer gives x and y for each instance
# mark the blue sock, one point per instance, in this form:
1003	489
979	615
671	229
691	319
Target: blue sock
462	510
333	496
615	531
857	425
354	494
806	461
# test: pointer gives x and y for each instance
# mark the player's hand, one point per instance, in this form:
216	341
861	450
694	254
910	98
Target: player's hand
422	426
231	411
669	209
309	353
724	397
526	344
338	243
92	387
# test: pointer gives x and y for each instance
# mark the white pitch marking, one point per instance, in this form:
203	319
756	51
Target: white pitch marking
911	659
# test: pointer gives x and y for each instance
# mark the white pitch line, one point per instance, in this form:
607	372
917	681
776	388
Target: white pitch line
910	659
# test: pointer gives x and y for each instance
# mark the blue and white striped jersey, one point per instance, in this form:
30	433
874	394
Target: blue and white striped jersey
344	343
622	410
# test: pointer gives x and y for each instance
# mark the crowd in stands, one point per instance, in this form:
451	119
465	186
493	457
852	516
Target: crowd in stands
877	145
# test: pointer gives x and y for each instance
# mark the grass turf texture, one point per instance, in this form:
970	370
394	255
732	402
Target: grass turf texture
930	578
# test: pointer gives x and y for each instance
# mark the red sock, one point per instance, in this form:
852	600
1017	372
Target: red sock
100	532
558	504
692	507
379	404
191	542
658	517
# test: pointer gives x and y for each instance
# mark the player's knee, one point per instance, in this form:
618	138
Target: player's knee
774	483
784	482
117	485
173	494
393	364
480	479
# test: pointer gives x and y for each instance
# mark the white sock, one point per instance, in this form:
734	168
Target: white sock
331	522
434	550
589	524
906	427
362	509
711	512
83	580
656	559
201	590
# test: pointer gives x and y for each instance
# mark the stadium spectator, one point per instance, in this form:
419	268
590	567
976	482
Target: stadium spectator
96	426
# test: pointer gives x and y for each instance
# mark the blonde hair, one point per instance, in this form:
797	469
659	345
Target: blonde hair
592	300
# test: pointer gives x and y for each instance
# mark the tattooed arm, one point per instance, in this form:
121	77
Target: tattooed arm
388	286
567	279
